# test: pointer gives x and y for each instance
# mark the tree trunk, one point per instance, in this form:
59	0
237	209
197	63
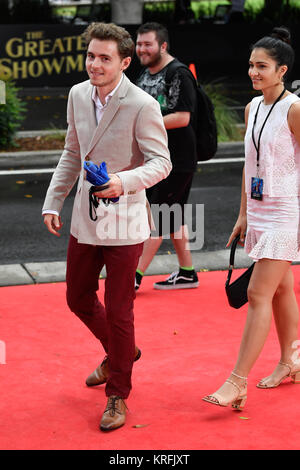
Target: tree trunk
127	11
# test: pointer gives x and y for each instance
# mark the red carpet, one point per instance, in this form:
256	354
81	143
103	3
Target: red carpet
189	341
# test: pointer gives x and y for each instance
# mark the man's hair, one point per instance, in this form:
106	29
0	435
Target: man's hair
160	31
111	32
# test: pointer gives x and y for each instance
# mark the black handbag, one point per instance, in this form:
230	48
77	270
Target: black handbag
237	290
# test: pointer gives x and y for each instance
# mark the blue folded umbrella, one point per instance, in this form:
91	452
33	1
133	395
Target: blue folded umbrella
97	175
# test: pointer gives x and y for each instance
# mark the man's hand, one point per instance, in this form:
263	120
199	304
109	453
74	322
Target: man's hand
115	188
53	223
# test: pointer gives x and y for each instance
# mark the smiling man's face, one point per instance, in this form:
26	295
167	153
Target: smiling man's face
104	64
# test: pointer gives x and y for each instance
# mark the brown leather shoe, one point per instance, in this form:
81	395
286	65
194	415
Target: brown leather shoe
114	415
100	374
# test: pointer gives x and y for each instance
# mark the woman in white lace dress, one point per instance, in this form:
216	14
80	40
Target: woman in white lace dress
269	213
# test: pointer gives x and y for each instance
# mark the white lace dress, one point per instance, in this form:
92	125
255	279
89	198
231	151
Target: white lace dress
273	223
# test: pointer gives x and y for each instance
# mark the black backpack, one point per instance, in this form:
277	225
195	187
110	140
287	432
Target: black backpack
205	125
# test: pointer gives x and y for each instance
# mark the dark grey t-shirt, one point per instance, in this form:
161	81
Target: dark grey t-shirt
180	95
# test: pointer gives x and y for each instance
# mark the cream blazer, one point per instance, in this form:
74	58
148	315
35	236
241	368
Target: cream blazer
132	140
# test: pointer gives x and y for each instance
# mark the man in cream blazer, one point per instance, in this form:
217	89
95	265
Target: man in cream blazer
111	120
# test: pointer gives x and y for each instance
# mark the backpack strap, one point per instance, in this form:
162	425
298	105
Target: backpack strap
172	67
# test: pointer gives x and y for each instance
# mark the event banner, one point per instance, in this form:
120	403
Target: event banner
42	55
53	55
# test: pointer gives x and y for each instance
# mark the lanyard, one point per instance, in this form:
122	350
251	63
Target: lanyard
262	127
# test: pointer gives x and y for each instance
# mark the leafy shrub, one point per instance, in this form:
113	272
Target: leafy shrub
207	8
11	116
260	11
226	117
280	12
161	12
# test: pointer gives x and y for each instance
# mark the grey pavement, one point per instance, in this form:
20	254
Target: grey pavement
36	273
50	158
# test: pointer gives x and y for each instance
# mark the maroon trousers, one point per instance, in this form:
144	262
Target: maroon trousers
113	324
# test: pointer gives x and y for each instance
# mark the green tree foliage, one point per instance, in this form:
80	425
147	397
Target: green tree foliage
226	117
11	115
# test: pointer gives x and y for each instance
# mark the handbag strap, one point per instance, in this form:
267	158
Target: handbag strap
231	259
232	251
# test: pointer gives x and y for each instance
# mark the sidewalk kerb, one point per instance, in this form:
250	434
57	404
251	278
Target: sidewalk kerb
45	158
14	275
55	271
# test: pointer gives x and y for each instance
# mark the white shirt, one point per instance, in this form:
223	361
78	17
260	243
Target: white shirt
99	110
99	107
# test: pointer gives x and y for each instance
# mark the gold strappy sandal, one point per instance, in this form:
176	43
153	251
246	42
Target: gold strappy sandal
238	401
295	376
